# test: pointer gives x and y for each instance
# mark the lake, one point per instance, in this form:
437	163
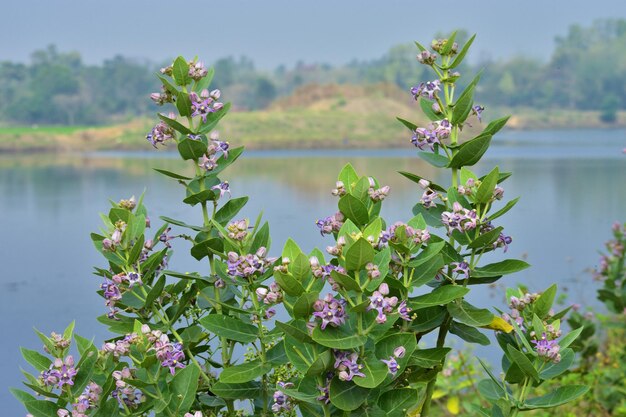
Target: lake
572	185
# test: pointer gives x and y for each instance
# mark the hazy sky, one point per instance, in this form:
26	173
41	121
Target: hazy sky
272	32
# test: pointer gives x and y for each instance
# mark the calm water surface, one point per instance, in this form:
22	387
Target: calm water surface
571	183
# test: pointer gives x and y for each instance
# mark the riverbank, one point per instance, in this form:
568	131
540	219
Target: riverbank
337	119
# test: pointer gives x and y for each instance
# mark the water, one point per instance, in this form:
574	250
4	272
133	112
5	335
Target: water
571	183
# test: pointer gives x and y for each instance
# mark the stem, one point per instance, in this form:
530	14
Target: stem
264	390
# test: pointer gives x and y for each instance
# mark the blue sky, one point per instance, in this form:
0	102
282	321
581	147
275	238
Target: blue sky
274	32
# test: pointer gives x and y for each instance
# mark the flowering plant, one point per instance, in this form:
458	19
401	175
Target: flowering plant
350	328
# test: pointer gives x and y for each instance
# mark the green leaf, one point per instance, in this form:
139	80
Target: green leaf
300	267
440	296
507	266
469	334
298	332
427	109
230	328
206	248
183	388
523	362
303	307
495	126
155	292
338	337
397	402
191	149
471	151
288	283
426	271
459	58
36	359
354	209
22	396
385	348
359	254
373	229
508	206
236	391
175	125
428	318
434	159
181	224
183	104
375	373
345	281
41	408
570	337
543	304
277	355
409	125
488	184
261	238
486	239
431	215
166	83
466	313
211	400
213	119
291	250
180	71
230	210
346	395
559	396
490	390
447	47
46	341
205	81
428	358
416	179
348	176
245	372
463	106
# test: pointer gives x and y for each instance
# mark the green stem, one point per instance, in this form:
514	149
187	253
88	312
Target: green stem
257	309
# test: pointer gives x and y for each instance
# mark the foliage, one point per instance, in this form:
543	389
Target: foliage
346	338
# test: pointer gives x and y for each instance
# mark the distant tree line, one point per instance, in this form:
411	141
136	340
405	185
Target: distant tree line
586	71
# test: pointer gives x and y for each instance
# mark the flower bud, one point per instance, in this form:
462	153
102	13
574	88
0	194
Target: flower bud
215	94
399	351
145	329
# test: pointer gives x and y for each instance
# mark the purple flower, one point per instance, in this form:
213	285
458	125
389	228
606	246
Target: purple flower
478	111
461	268
133	278
281	401
432	134
197	71
503	241
427	58
428	198
60	373
207	163
382	304
331	224
460	218
161	132
427	89
201	105
248	265
223	188
403	311
172	357
330	311
346	365
547	349
392	364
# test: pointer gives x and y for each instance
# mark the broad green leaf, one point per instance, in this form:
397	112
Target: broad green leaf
180	71
36	359
461	55
22	396
375	373
523	362
466	313
507	266
206	248
291	250
485	191
354	209
338	337
428	358
486	239
300	267
409	125
346	395
570	337
302	355
434	159
359	254
385	347
277	355
440	296
236	391
296	329
211	400
245	372
490	390
288	283
428	318
166	83
230	210
303	307
427	109
463	106
230	327
471	151
426	272
431	215
191	149
543	304
183	387
552	370
559	396
495	126
427	253
41	408
468	333
348	176
261	238
183	104
397	402
416	178
155	292
320	364
200	197
373	229
345	281
175	125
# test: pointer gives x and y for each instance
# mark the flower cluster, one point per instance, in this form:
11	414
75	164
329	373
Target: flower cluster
271	295
325	389
248	265
378	194
163	97
439	44
331	224
385	305
402	233
517	306
459	218
120	347
238	230
427	58
340	189
161	133
61	372
432	134
281	401
338	248
392	363
547	349
427	89
208	161
205	103
88	400
109	244
197	70
609	262
323	271
58	341
429	196
170	354
330	311
346	365
127	395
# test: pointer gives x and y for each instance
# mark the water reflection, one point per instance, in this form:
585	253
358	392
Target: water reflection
50	204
